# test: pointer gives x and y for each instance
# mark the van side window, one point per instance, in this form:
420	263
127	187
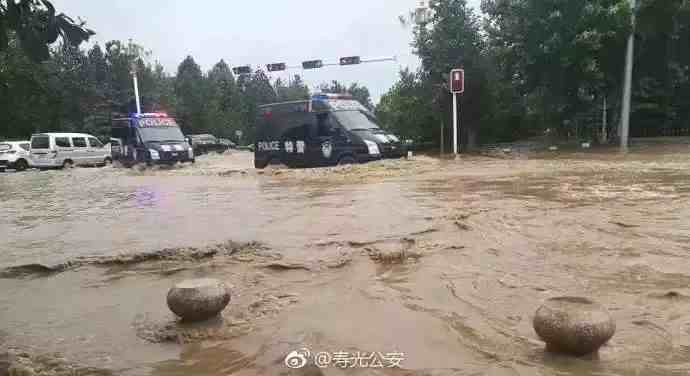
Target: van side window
94	143
62	142
79	142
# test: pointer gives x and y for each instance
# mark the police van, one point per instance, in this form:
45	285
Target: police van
150	138
327	130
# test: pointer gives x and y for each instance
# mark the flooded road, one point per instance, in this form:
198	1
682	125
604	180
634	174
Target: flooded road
444	261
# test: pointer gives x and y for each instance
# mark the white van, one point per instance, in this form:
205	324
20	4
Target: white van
59	150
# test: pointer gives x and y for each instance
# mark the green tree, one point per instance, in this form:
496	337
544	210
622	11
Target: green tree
359	92
661	96
26	99
223	101
295	90
37	25
564	56
451	38
407	109
190	91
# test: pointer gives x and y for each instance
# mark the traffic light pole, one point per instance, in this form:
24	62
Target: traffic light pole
455	123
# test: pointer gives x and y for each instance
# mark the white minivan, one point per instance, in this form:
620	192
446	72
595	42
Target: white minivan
59	150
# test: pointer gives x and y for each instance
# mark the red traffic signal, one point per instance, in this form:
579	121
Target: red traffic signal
457	81
277	67
350	60
312	64
242	70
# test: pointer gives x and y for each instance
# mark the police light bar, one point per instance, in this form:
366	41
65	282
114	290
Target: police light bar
350	60
277	67
246	69
312	64
326	97
150	115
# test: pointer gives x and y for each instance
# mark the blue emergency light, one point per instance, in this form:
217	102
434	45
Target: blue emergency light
148	115
330	97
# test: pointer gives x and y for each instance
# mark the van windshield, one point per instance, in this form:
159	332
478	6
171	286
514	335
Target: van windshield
40	142
355	120
161	134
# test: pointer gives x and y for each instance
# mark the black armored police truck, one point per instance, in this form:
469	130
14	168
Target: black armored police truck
327	130
150	138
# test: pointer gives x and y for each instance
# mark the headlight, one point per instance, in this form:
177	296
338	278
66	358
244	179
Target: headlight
393	138
190	152
373	148
154	154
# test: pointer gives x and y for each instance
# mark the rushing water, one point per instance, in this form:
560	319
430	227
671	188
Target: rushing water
492	238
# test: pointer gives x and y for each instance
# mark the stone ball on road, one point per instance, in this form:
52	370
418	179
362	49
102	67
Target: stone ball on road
573	325
198	299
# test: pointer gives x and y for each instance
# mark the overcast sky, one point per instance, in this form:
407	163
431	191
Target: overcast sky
260	32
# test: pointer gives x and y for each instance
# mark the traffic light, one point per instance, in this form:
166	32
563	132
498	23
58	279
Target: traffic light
312	64
350	60
457	81
276	67
246	69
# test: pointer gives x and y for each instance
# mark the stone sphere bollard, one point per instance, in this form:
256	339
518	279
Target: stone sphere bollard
198	299
574	326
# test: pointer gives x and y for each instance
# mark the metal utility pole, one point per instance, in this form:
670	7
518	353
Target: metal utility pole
627	85
136	87
456	125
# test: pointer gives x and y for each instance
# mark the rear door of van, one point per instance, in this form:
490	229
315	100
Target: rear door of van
41	148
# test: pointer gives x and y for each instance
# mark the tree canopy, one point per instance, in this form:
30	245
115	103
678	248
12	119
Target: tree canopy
545	66
37	25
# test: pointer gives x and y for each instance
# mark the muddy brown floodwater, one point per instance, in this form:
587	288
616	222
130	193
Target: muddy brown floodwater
444	261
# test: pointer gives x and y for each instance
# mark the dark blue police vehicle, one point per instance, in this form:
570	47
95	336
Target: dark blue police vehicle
150	138
327	130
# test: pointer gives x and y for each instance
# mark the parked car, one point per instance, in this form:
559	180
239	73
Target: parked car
59	150
14	155
228	143
207	143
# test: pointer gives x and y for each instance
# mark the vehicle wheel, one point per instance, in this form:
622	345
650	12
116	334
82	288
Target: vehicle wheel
67	163
346	160
260	164
2	169
193	161
107	162
276	164
21	165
